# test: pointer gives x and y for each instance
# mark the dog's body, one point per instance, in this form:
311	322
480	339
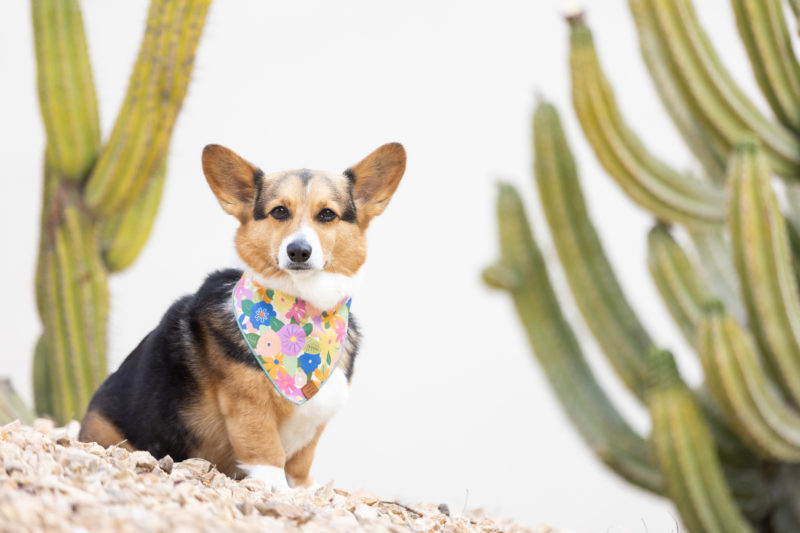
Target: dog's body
193	387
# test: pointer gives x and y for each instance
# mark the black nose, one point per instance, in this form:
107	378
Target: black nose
299	251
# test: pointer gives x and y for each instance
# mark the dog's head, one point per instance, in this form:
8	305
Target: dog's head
303	227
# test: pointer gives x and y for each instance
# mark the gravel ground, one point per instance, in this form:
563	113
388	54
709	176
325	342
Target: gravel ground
51	482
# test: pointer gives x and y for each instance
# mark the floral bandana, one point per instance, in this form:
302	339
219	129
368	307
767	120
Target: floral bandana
297	345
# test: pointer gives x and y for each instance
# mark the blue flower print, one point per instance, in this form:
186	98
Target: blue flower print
309	362
261	313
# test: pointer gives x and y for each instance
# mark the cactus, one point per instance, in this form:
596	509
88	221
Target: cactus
723	256
99	199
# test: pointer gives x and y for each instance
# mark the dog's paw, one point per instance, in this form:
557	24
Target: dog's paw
274	477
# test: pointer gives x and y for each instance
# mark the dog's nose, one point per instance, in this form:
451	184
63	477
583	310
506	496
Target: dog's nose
299	251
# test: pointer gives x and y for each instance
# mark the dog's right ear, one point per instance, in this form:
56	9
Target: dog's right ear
232	179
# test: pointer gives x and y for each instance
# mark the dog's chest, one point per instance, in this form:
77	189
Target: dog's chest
299	428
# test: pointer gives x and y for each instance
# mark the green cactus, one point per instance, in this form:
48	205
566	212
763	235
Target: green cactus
723	256
99	200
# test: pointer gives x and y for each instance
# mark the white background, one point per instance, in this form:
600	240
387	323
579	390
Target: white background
447	404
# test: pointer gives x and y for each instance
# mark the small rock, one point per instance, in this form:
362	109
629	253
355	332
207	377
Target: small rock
142	461
166	463
370	499
246	508
44	425
444	509
195	465
279	509
365	513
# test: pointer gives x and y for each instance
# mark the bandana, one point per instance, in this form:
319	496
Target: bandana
296	345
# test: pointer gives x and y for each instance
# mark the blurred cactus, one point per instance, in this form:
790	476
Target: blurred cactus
99	200
721	253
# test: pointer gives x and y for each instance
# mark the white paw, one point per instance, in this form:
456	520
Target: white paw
273	476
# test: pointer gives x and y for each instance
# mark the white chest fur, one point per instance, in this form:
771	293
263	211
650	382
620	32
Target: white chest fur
300	427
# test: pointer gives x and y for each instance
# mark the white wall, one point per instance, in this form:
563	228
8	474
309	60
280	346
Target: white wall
319	84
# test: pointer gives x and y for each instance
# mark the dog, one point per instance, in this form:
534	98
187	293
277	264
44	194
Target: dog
247	371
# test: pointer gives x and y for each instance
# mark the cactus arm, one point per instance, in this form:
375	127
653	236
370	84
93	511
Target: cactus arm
685	452
739	384
676	280
710	151
719	101
558	351
140	137
763	30
11	405
648	181
125	233
43	388
56	343
592	281
715	265
66	88
762	258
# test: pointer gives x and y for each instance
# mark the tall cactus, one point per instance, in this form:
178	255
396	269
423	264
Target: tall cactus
728	452
99	200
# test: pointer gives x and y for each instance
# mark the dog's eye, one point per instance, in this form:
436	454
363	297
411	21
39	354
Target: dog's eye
326	215
279	213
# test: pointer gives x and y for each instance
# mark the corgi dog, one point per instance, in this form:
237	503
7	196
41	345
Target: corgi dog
247	371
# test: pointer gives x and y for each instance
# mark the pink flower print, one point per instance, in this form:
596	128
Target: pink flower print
298	311
341	331
300	380
269	344
242	292
285	383
248	327
293	339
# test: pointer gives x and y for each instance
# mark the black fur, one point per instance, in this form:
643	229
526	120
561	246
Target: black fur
305	176
258	207
145	397
353	343
350	214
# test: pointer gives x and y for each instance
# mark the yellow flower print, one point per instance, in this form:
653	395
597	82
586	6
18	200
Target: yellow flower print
273	364
282	302
328	344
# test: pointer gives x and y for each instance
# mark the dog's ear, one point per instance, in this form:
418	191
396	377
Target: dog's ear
375	179
233	180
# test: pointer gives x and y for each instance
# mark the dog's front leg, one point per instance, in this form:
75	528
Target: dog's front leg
254	437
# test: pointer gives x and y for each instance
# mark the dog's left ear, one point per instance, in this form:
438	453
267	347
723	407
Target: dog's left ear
232	179
376	178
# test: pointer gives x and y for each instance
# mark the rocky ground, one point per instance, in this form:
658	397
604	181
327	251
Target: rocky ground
51	482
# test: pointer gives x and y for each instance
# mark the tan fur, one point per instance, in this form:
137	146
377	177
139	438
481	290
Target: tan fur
298	465
97	428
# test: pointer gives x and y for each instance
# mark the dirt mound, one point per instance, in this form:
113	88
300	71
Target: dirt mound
51	482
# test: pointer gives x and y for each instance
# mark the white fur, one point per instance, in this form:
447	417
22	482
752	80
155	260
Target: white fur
300	427
307	234
273	476
321	289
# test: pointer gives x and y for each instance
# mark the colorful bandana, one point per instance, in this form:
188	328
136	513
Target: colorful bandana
296	345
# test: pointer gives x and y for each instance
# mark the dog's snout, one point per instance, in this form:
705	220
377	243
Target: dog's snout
299	251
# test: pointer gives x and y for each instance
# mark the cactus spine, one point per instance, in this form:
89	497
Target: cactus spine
99	200
727	453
